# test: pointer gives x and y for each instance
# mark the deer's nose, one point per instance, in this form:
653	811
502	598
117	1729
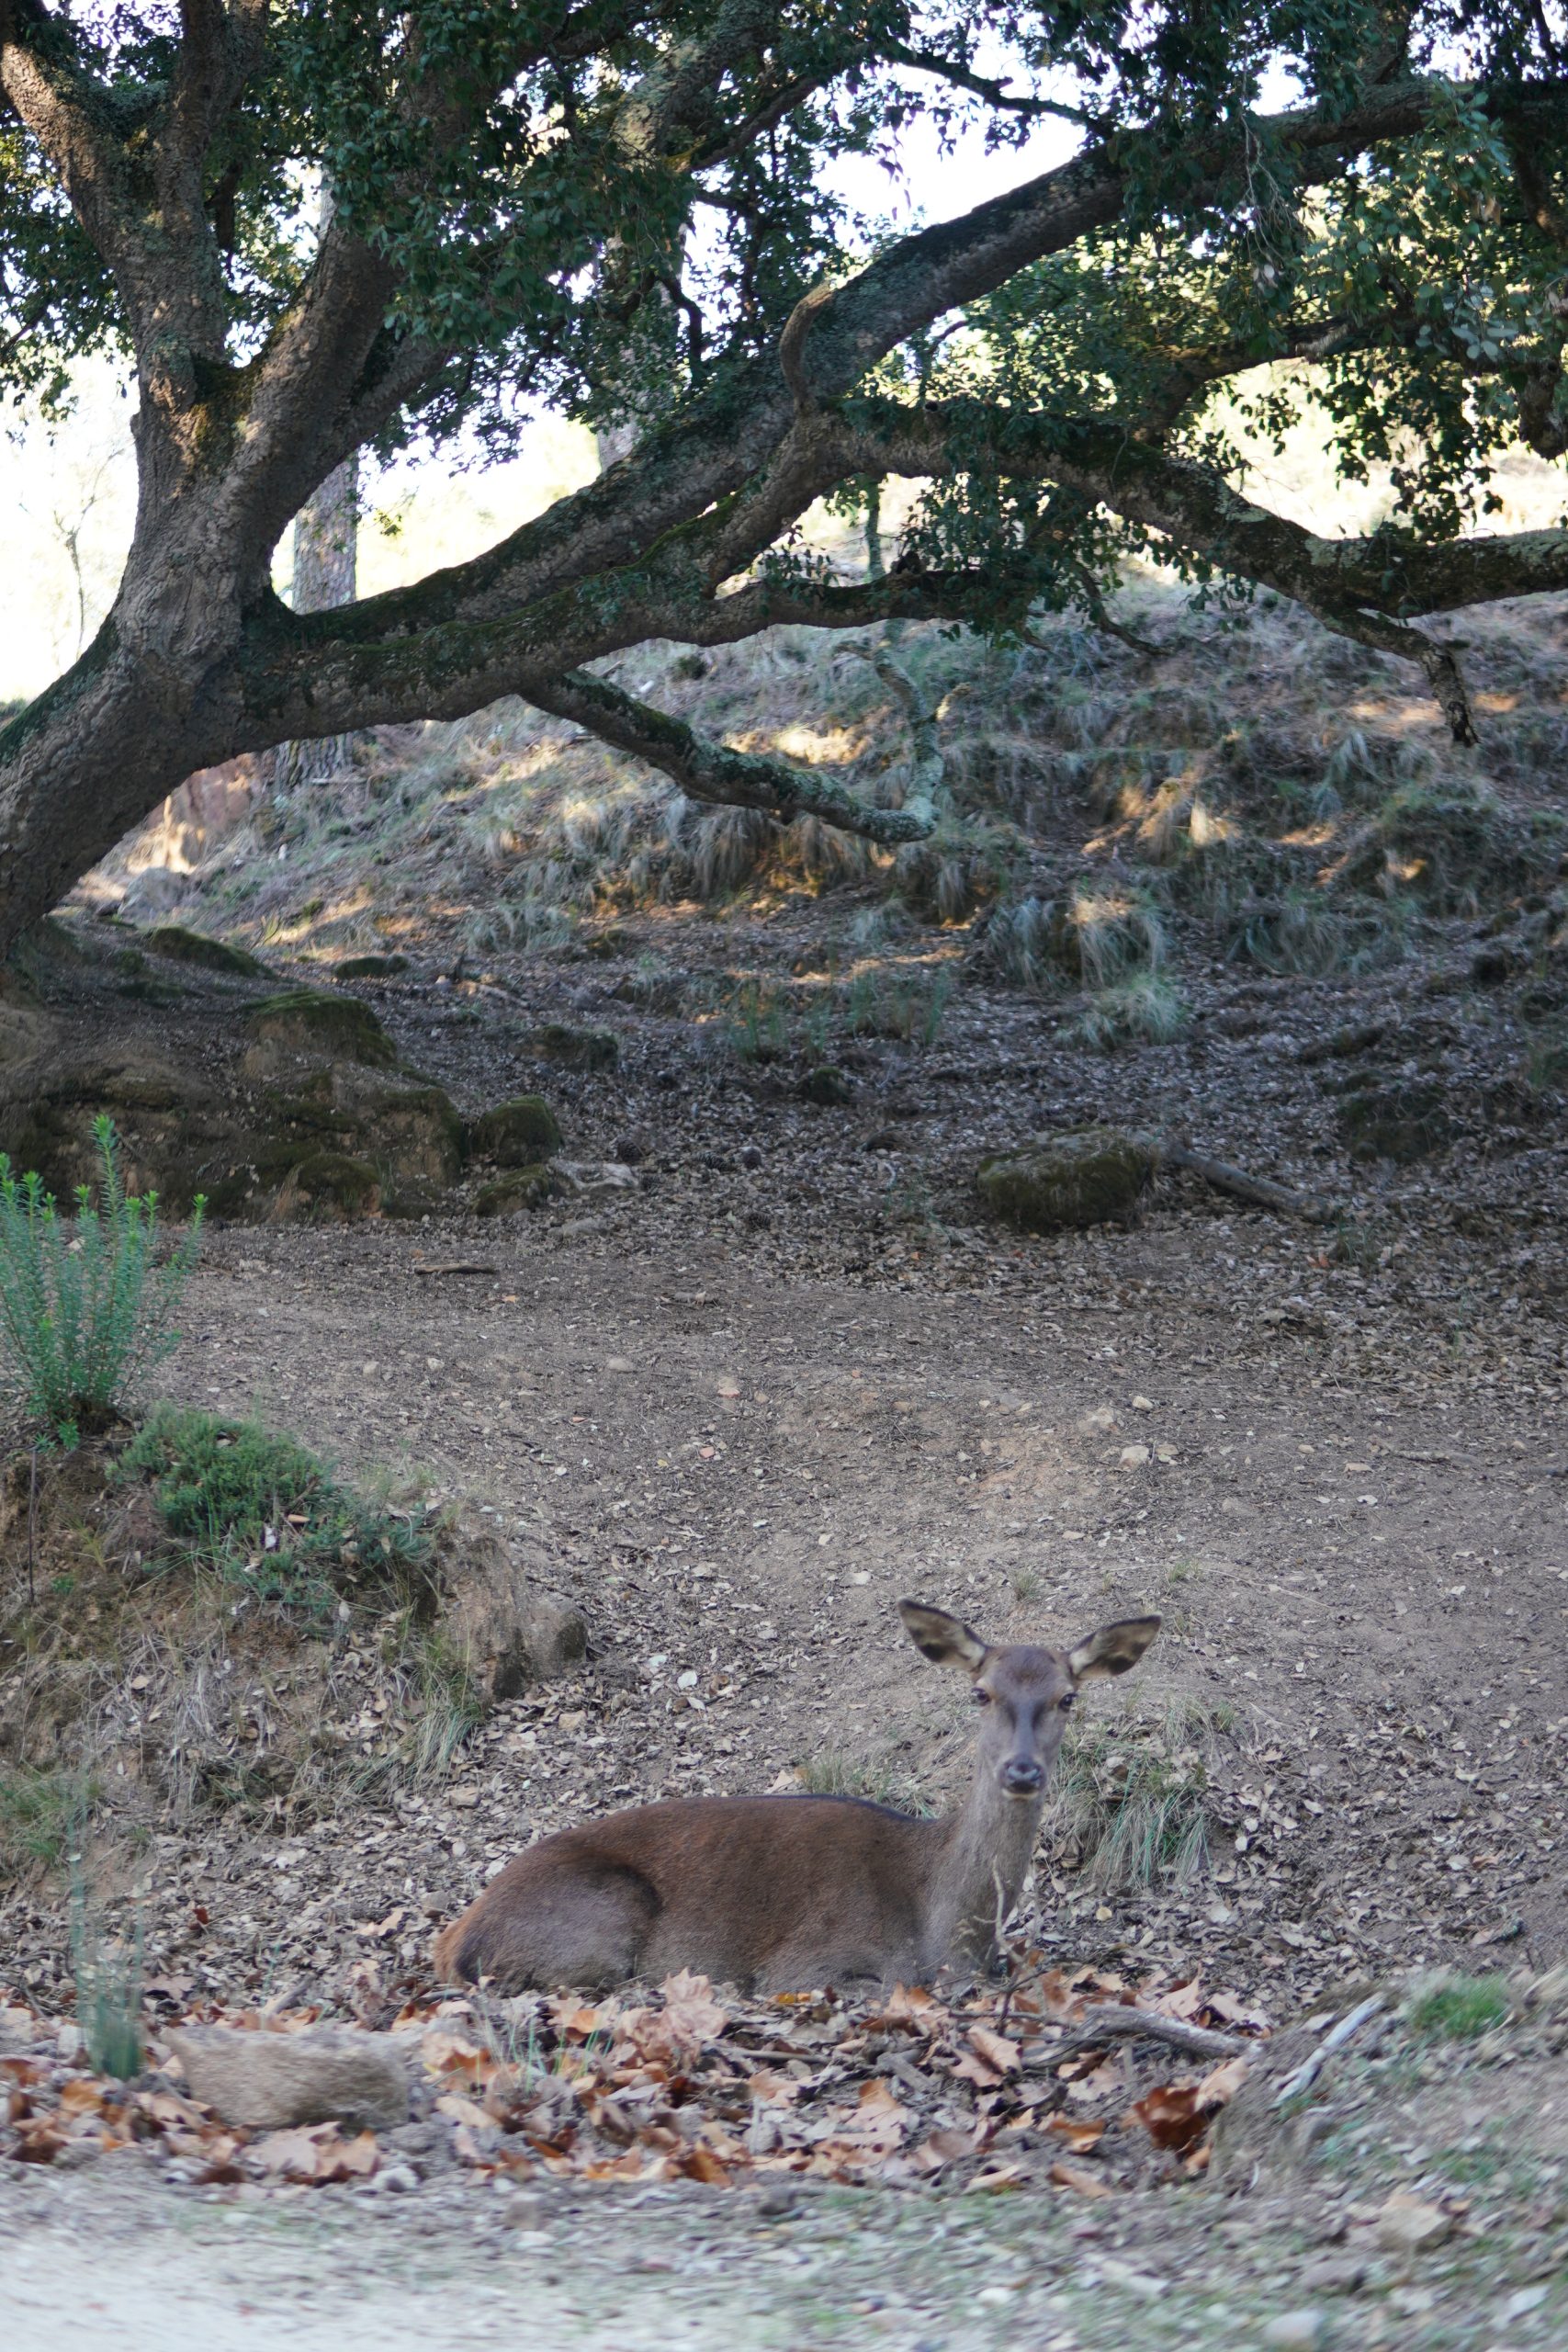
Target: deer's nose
1022	1776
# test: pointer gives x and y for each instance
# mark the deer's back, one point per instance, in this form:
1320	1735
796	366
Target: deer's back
771	1890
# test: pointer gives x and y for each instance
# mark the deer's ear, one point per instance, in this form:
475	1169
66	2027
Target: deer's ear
946	1640
1114	1648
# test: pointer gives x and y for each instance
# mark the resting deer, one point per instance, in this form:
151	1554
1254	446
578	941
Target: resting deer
778	1894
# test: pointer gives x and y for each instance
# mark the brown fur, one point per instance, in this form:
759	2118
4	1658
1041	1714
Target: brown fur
774	1893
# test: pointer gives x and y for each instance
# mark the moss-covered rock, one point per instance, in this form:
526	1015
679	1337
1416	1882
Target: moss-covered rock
1085	1176
571	1048
826	1083
521	1187
409	1134
314	1022
329	1185
370	968
517	1134
181	947
1405	1121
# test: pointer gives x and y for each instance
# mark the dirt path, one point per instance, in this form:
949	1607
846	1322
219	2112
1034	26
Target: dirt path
738	1477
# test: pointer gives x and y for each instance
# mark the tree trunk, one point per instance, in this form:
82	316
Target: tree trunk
326	535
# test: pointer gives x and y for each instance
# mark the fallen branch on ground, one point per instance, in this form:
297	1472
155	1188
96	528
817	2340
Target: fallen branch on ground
1261	1190
1119	2022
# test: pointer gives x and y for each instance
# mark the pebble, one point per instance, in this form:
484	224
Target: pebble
1295	2331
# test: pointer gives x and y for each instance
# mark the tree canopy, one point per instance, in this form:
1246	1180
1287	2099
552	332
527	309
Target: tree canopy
639	216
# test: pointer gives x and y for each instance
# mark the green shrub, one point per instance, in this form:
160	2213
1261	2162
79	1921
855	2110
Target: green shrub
85	1306
266	1514
1458	2008
109	1987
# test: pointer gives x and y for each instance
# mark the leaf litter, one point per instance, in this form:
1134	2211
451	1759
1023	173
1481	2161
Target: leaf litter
981	2087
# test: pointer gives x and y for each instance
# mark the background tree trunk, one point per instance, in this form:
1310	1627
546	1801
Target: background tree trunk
326	535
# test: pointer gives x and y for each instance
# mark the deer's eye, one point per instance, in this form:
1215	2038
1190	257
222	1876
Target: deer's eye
1066	1698
982	1697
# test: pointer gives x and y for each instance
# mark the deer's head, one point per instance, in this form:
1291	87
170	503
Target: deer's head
1023	1693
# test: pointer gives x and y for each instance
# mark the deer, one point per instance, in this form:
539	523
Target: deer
783	1893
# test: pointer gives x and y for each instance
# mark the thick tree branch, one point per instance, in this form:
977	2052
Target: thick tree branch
68	114
718	775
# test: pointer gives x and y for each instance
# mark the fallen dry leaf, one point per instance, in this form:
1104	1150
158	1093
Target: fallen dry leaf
1074	2177
995	2049
1174	2118
1079	2133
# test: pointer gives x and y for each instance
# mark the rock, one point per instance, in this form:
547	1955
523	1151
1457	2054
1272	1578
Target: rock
1294	2331
500	1617
316	1022
517	1134
370	968
171	939
523	1188
407	1132
597	1176
826	1083
329	1186
151	890
266	2082
574	1048
1407	2224
1135	1456
1334	2274
1085	1176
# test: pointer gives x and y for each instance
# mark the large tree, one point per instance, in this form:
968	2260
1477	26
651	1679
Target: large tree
629	212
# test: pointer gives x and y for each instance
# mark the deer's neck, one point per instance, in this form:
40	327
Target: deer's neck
983	1854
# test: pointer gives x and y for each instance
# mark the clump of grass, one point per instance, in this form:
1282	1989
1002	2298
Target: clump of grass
449	1705
1144	1009
1109	934
1020	947
756	1020
1452	845
911	1006
265	1513
875	1779
85	1306
1131	1800
1298	932
38	1810
1458	2008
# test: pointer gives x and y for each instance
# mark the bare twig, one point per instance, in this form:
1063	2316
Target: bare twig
1117	2021
32	1524
456	1266
1306	2073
